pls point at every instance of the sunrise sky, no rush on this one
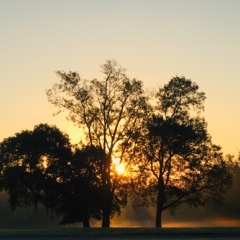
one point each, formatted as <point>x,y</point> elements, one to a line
<point>154,39</point>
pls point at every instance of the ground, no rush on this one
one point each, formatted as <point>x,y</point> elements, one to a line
<point>121,233</point>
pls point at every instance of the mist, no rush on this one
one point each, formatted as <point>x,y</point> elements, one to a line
<point>227,215</point>
<point>209,216</point>
<point>24,217</point>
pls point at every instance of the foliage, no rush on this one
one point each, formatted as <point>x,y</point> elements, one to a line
<point>28,158</point>
<point>80,195</point>
<point>178,158</point>
<point>39,167</point>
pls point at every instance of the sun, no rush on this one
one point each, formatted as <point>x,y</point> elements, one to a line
<point>120,169</point>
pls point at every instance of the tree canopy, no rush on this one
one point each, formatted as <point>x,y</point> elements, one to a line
<point>40,168</point>
<point>29,160</point>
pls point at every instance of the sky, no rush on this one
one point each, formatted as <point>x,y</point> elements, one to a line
<point>154,39</point>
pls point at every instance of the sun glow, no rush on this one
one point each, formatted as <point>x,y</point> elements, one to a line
<point>118,166</point>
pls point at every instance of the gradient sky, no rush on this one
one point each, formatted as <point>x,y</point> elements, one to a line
<point>154,39</point>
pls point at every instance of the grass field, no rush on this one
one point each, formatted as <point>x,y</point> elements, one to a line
<point>122,233</point>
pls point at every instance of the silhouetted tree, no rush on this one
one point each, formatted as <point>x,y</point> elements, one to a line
<point>39,167</point>
<point>110,113</point>
<point>81,195</point>
<point>179,163</point>
<point>26,160</point>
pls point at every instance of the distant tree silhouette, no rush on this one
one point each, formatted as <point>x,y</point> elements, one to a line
<point>110,113</point>
<point>39,167</point>
<point>178,162</point>
<point>232,199</point>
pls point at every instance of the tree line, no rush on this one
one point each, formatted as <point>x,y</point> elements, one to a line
<point>160,139</point>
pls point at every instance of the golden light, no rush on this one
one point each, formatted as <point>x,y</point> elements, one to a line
<point>118,166</point>
<point>120,169</point>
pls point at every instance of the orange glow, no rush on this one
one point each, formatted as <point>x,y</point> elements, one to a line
<point>118,166</point>
<point>211,222</point>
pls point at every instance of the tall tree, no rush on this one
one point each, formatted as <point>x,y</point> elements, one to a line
<point>180,164</point>
<point>109,112</point>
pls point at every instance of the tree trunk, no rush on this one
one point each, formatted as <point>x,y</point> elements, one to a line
<point>160,202</point>
<point>107,194</point>
<point>85,218</point>
<point>158,221</point>
<point>106,217</point>
<point>86,223</point>
<point>107,206</point>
